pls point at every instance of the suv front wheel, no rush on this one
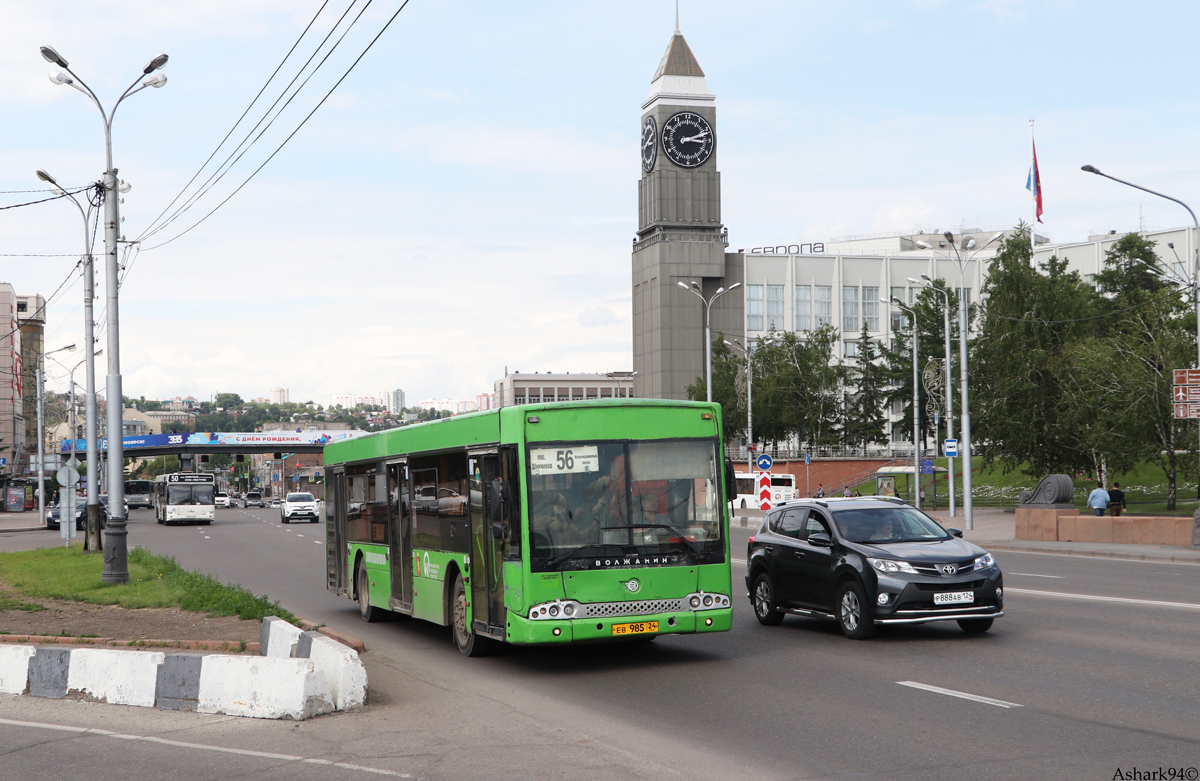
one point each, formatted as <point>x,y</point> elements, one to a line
<point>853,612</point>
<point>765,608</point>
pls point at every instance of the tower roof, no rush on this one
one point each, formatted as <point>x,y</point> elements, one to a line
<point>678,60</point>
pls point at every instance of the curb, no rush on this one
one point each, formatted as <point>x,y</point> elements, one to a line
<point>297,676</point>
<point>342,637</point>
<point>1164,559</point>
<point>28,529</point>
<point>190,645</point>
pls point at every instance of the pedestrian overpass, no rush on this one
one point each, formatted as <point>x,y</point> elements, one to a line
<point>213,443</point>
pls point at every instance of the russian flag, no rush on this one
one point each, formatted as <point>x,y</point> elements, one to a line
<point>1034,184</point>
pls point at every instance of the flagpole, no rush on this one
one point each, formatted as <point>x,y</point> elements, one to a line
<point>1033,182</point>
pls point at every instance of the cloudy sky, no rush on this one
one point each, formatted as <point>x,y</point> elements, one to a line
<point>465,200</point>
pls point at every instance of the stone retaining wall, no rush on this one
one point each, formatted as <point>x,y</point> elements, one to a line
<point>1068,525</point>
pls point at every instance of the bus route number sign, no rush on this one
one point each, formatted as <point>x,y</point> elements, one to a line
<point>564,460</point>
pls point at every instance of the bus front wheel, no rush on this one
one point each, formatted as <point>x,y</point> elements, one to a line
<point>468,642</point>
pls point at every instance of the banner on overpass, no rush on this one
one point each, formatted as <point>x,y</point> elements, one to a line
<point>227,439</point>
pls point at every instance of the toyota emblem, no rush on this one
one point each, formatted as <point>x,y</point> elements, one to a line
<point>949,569</point>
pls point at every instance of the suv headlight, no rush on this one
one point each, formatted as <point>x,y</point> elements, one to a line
<point>888,565</point>
<point>986,561</point>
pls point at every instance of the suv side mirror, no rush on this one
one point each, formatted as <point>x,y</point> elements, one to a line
<point>955,532</point>
<point>820,540</point>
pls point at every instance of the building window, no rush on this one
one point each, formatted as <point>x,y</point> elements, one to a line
<point>899,321</point>
<point>803,308</point>
<point>851,349</point>
<point>958,291</point>
<point>754,307</point>
<point>775,307</point>
<point>849,309</point>
<point>822,305</point>
<point>870,307</point>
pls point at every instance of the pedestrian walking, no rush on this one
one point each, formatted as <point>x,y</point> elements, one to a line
<point>820,491</point>
<point>1098,499</point>
<point>1116,500</point>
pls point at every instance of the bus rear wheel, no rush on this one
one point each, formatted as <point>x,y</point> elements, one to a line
<point>468,642</point>
<point>369,612</point>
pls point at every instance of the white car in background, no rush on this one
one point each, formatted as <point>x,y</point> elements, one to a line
<point>222,500</point>
<point>299,507</point>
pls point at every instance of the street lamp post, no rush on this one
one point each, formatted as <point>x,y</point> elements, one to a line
<point>928,283</point>
<point>1196,265</point>
<point>41,429</point>
<point>958,260</point>
<point>66,527</point>
<point>916,400</point>
<point>92,538</point>
<point>708,302</point>
<point>116,561</point>
<point>749,399</point>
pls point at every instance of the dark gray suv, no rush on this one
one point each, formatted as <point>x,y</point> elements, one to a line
<point>253,499</point>
<point>869,561</point>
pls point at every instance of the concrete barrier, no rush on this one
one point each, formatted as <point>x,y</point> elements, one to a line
<point>48,671</point>
<point>14,668</point>
<point>262,687</point>
<point>178,683</point>
<point>278,638</point>
<point>344,672</point>
<point>116,677</point>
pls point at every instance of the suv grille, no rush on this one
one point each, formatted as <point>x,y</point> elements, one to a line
<point>934,570</point>
<point>643,607</point>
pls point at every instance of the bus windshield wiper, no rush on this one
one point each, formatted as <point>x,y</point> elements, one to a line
<point>564,556</point>
<point>671,529</point>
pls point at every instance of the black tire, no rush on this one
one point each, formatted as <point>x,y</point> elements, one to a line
<point>468,642</point>
<point>853,612</point>
<point>283,519</point>
<point>314,520</point>
<point>763,597</point>
<point>975,626</point>
<point>369,612</point>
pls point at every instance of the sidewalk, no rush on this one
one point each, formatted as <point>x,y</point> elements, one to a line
<point>20,522</point>
<point>996,530</point>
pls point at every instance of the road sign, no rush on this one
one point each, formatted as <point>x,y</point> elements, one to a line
<point>951,446</point>
<point>1187,376</point>
<point>764,462</point>
<point>67,476</point>
<point>764,490</point>
<point>1187,411</point>
<point>807,459</point>
<point>3,460</point>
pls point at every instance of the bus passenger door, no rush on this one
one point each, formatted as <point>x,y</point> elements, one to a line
<point>400,539</point>
<point>335,532</point>
<point>488,530</point>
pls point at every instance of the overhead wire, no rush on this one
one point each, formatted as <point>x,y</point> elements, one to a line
<point>309,116</point>
<point>227,165</point>
<point>266,84</point>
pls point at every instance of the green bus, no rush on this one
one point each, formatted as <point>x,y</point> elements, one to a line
<point>538,524</point>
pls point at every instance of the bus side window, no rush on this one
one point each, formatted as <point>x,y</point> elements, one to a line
<point>512,479</point>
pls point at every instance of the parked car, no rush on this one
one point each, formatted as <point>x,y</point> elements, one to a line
<point>299,507</point>
<point>221,499</point>
<point>866,562</point>
<point>253,499</point>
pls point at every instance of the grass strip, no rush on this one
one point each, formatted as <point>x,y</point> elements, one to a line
<point>154,581</point>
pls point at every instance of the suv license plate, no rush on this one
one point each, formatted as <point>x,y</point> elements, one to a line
<point>954,598</point>
<point>641,628</point>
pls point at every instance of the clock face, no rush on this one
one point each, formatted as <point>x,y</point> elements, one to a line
<point>688,140</point>
<point>649,143</point>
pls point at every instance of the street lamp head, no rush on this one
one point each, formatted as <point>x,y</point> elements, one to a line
<point>993,238</point>
<point>971,244</point>
<point>685,287</point>
<point>949,236</point>
<point>720,290</point>
<point>923,245</point>
<point>45,177</point>
<point>1171,244</point>
<point>695,285</point>
<point>60,78</point>
<point>735,285</point>
<point>52,57</point>
<point>912,281</point>
<point>154,64</point>
<point>1090,169</point>
<point>156,81</point>
<point>926,277</point>
<point>892,300</point>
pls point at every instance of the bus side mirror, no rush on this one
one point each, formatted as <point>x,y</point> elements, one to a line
<point>730,482</point>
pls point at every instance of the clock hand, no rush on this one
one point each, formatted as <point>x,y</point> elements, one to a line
<point>696,137</point>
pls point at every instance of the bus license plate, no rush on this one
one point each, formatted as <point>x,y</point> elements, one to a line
<point>640,628</point>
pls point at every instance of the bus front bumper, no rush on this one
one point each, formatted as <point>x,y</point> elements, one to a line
<point>522,631</point>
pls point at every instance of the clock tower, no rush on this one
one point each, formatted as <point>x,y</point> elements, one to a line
<point>680,237</point>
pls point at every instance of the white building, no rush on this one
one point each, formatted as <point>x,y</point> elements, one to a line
<point>12,413</point>
<point>279,395</point>
<point>397,404</point>
<point>537,388</point>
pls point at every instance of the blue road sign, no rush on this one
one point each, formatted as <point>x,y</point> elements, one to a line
<point>807,459</point>
<point>764,462</point>
<point>951,446</point>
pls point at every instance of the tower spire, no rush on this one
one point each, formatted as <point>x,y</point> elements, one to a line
<point>677,17</point>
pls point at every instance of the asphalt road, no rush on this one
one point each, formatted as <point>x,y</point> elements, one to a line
<point>1081,686</point>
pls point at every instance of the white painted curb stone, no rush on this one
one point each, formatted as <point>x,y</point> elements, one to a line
<point>116,677</point>
<point>343,670</point>
<point>262,687</point>
<point>14,668</point>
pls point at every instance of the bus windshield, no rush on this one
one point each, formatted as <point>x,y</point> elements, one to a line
<point>182,493</point>
<point>597,499</point>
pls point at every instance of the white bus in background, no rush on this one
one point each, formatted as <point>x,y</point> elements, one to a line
<point>783,489</point>
<point>185,497</point>
<point>139,493</point>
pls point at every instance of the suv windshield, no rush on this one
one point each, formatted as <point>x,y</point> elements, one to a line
<point>881,525</point>
<point>300,498</point>
<point>589,500</point>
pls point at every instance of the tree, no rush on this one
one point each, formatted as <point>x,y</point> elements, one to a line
<point>798,388</point>
<point>229,401</point>
<point>866,395</point>
<point>729,388</point>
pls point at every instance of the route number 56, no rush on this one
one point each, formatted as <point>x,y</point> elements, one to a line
<point>566,460</point>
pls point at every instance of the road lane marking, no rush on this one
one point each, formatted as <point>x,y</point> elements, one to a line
<point>962,695</point>
<point>1031,575</point>
<point>200,746</point>
<point>1125,600</point>
<point>738,561</point>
